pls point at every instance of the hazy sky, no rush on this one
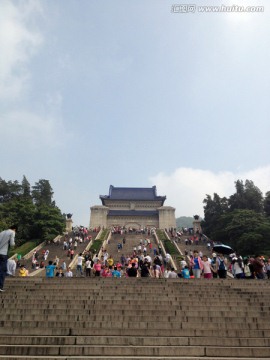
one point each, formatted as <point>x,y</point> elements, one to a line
<point>131,93</point>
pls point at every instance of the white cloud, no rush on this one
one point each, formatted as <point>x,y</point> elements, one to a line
<point>186,188</point>
<point>32,130</point>
<point>18,44</point>
<point>31,124</point>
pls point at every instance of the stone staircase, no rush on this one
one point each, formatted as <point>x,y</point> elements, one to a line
<point>57,250</point>
<point>134,318</point>
<point>202,246</point>
<point>131,241</point>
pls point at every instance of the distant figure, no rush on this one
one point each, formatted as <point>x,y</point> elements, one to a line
<point>185,273</point>
<point>79,269</point>
<point>23,271</point>
<point>11,267</point>
<point>172,274</point>
<point>7,239</point>
<point>69,273</point>
<point>50,270</point>
<point>132,272</point>
<point>221,263</point>
<point>69,216</point>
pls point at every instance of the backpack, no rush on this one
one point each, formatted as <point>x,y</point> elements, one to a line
<point>221,265</point>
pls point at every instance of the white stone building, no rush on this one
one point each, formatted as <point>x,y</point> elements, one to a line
<point>132,207</point>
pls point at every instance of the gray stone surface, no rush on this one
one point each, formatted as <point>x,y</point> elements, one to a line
<point>90,318</point>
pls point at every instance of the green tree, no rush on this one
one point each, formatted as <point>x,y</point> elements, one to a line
<point>49,222</point>
<point>42,193</point>
<point>36,214</point>
<point>21,212</point>
<point>266,204</point>
<point>248,232</point>
<point>9,190</point>
<point>242,221</point>
<point>26,189</point>
<point>247,196</point>
<point>213,209</point>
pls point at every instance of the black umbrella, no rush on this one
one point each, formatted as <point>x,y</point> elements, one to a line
<point>223,249</point>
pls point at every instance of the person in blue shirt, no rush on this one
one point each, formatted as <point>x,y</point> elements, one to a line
<point>50,269</point>
<point>185,273</point>
<point>116,273</point>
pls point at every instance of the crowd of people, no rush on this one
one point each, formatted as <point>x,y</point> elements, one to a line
<point>145,260</point>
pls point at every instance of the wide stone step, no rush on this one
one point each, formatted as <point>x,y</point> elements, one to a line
<point>134,341</point>
<point>134,319</point>
<point>86,350</point>
<point>262,325</point>
<point>126,311</point>
<point>89,357</point>
<point>95,284</point>
<point>135,301</point>
<point>132,311</point>
<point>69,331</point>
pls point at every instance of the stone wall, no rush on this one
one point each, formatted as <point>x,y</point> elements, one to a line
<point>132,205</point>
<point>98,216</point>
<point>137,222</point>
<point>166,217</point>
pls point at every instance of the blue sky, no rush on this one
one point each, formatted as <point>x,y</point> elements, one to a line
<point>129,93</point>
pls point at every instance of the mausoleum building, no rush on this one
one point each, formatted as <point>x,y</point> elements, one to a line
<point>132,207</point>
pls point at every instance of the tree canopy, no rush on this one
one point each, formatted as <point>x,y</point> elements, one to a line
<point>32,208</point>
<point>241,221</point>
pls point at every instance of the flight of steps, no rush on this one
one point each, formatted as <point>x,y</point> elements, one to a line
<point>57,250</point>
<point>131,241</point>
<point>134,318</point>
<point>201,247</point>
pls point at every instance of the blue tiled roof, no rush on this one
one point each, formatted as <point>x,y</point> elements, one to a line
<point>125,193</point>
<point>133,213</point>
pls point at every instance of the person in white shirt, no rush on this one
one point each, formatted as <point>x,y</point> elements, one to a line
<point>166,273</point>
<point>69,273</point>
<point>7,239</point>
<point>172,274</point>
<point>79,265</point>
<point>11,267</point>
<point>168,259</point>
<point>88,267</point>
<point>183,263</point>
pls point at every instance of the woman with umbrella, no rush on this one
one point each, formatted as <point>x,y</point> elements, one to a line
<point>221,261</point>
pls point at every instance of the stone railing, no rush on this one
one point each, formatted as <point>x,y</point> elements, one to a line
<point>160,243</point>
